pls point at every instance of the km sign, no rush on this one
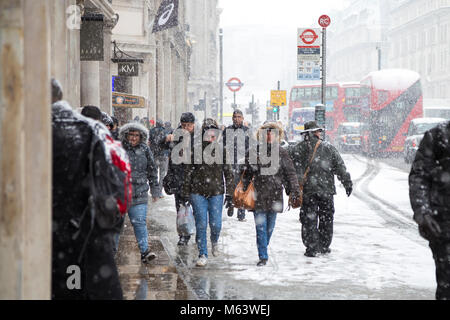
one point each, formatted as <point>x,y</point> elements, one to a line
<point>128,69</point>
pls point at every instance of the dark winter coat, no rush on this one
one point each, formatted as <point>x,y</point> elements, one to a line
<point>269,188</point>
<point>174,179</point>
<point>143,168</point>
<point>429,179</point>
<point>72,134</point>
<point>326,164</point>
<point>233,128</point>
<point>208,179</point>
<point>157,137</point>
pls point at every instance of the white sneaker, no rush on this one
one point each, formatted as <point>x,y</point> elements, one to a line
<point>202,261</point>
<point>215,249</point>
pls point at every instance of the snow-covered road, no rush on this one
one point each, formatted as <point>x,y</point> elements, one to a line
<point>377,252</point>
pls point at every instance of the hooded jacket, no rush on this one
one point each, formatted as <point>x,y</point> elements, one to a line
<point>143,168</point>
<point>72,134</point>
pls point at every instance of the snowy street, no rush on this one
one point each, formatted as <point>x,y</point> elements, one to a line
<point>377,252</point>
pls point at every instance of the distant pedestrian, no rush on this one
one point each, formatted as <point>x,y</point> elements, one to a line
<point>269,185</point>
<point>317,211</point>
<point>173,181</point>
<point>115,128</point>
<point>143,172</point>
<point>107,121</point>
<point>72,134</point>
<point>429,192</point>
<point>204,187</point>
<point>157,142</point>
<point>168,127</point>
<point>238,131</point>
<point>92,112</point>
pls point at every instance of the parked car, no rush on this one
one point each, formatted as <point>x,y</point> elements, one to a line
<point>349,136</point>
<point>416,130</point>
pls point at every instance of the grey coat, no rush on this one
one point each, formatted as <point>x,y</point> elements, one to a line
<point>143,168</point>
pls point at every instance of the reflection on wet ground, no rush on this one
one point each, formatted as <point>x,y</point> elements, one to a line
<point>157,280</point>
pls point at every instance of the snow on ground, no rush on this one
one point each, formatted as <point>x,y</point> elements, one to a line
<point>364,251</point>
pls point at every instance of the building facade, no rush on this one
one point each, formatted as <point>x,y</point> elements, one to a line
<point>420,38</point>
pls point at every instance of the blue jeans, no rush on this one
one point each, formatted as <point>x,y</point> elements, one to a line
<point>138,218</point>
<point>265,223</point>
<point>207,210</point>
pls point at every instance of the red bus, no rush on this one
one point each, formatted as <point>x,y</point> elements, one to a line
<point>351,106</point>
<point>390,99</point>
<point>310,95</point>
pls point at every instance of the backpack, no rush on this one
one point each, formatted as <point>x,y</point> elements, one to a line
<point>109,181</point>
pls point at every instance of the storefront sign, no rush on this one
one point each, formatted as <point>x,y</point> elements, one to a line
<point>128,69</point>
<point>91,38</point>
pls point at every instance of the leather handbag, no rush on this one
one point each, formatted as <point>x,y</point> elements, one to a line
<point>244,199</point>
<point>297,202</point>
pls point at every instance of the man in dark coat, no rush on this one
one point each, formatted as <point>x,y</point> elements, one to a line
<point>317,212</point>
<point>234,131</point>
<point>99,278</point>
<point>156,139</point>
<point>429,192</point>
<point>173,181</point>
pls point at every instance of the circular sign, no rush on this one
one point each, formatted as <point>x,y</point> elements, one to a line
<point>309,36</point>
<point>324,21</point>
<point>234,84</point>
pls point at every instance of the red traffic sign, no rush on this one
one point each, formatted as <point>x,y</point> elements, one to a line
<point>324,21</point>
<point>309,36</point>
<point>234,84</point>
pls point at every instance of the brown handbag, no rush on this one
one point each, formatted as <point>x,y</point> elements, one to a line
<point>298,201</point>
<point>244,199</point>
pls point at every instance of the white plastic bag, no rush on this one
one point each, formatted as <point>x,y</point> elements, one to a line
<point>185,221</point>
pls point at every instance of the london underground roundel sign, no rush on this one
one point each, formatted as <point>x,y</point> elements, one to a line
<point>309,36</point>
<point>234,84</point>
<point>324,21</point>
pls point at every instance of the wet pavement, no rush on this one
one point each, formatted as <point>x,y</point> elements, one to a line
<point>157,280</point>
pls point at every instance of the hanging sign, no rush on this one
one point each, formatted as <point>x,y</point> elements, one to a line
<point>127,100</point>
<point>91,38</point>
<point>167,16</point>
<point>128,69</point>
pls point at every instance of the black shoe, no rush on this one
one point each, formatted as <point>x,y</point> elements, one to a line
<point>230,211</point>
<point>183,241</point>
<point>261,262</point>
<point>241,215</point>
<point>147,256</point>
<point>310,253</point>
<point>325,250</point>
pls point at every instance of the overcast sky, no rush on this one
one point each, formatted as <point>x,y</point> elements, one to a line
<point>291,13</point>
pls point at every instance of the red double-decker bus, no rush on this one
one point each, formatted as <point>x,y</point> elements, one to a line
<point>390,99</point>
<point>351,106</point>
<point>310,95</point>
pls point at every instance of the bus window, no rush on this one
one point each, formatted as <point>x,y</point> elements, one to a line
<point>300,94</point>
<point>382,97</point>
<point>307,94</point>
<point>352,92</point>
<point>294,94</point>
<point>332,93</point>
<point>316,93</point>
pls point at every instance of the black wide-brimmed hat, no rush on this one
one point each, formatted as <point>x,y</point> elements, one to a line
<point>312,126</point>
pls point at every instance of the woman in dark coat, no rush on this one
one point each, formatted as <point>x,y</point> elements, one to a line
<point>204,188</point>
<point>134,138</point>
<point>268,181</point>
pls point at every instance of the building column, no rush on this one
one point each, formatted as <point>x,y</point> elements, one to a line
<point>25,150</point>
<point>160,80</point>
<point>90,81</point>
<point>168,80</point>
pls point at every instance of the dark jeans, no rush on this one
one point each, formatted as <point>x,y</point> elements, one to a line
<point>316,216</point>
<point>178,205</point>
<point>441,256</point>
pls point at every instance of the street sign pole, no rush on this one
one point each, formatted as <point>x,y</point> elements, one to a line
<point>324,65</point>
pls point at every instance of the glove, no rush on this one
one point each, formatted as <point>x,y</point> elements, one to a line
<point>185,201</point>
<point>348,191</point>
<point>431,225</point>
<point>228,201</point>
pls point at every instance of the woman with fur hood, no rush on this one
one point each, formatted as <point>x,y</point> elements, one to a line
<point>134,138</point>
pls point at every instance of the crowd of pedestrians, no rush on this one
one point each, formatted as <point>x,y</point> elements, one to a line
<point>201,165</point>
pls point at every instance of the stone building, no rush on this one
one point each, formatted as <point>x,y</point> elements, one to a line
<point>202,19</point>
<point>420,40</point>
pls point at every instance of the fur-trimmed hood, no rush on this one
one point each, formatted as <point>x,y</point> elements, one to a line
<point>133,126</point>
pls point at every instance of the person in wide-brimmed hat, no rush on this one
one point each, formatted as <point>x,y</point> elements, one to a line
<point>317,211</point>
